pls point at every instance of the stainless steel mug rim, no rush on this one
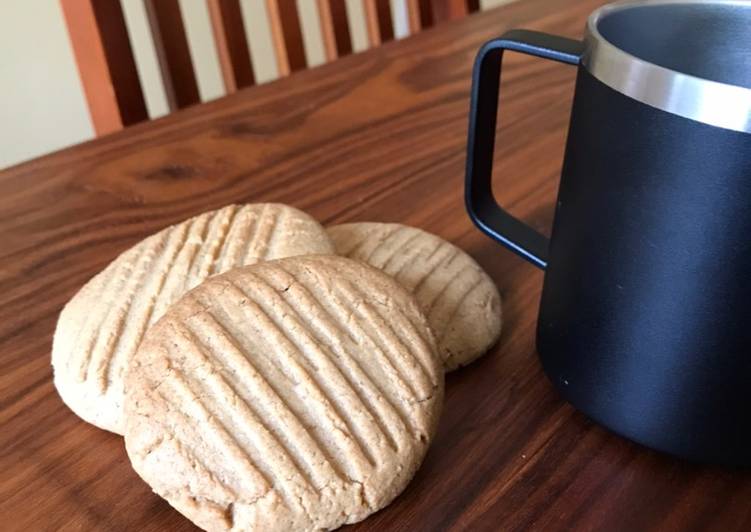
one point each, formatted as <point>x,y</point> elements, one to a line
<point>711,102</point>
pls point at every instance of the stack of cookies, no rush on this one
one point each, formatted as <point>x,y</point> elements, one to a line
<point>268,373</point>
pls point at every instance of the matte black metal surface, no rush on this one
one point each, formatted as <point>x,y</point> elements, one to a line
<point>481,205</point>
<point>645,320</point>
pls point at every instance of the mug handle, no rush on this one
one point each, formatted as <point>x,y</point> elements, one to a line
<point>481,205</point>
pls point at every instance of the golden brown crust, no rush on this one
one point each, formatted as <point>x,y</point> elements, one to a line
<point>294,394</point>
<point>460,300</point>
<point>101,326</point>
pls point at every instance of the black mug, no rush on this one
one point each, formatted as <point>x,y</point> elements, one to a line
<point>645,317</point>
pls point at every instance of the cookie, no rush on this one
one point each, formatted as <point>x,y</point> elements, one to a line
<point>100,328</point>
<point>460,300</point>
<point>298,394</point>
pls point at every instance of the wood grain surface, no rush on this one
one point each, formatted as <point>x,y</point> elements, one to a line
<point>374,136</point>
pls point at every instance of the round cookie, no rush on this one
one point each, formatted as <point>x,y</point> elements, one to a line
<point>460,300</point>
<point>298,394</point>
<point>101,326</point>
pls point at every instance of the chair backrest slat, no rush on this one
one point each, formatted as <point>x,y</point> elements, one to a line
<point>105,61</point>
<point>172,52</point>
<point>444,10</point>
<point>102,48</point>
<point>378,21</point>
<point>231,44</point>
<point>420,13</point>
<point>337,41</point>
<point>432,12</point>
<point>286,34</point>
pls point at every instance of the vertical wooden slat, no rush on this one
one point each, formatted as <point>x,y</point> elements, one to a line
<point>286,34</point>
<point>99,39</point>
<point>172,52</point>
<point>231,43</point>
<point>444,10</point>
<point>420,13</point>
<point>337,40</point>
<point>378,20</point>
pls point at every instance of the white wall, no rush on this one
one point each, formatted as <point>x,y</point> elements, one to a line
<point>42,107</point>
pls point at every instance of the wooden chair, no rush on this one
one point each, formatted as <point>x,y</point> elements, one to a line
<point>107,67</point>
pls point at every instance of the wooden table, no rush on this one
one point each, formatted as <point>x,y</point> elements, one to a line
<point>377,136</point>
